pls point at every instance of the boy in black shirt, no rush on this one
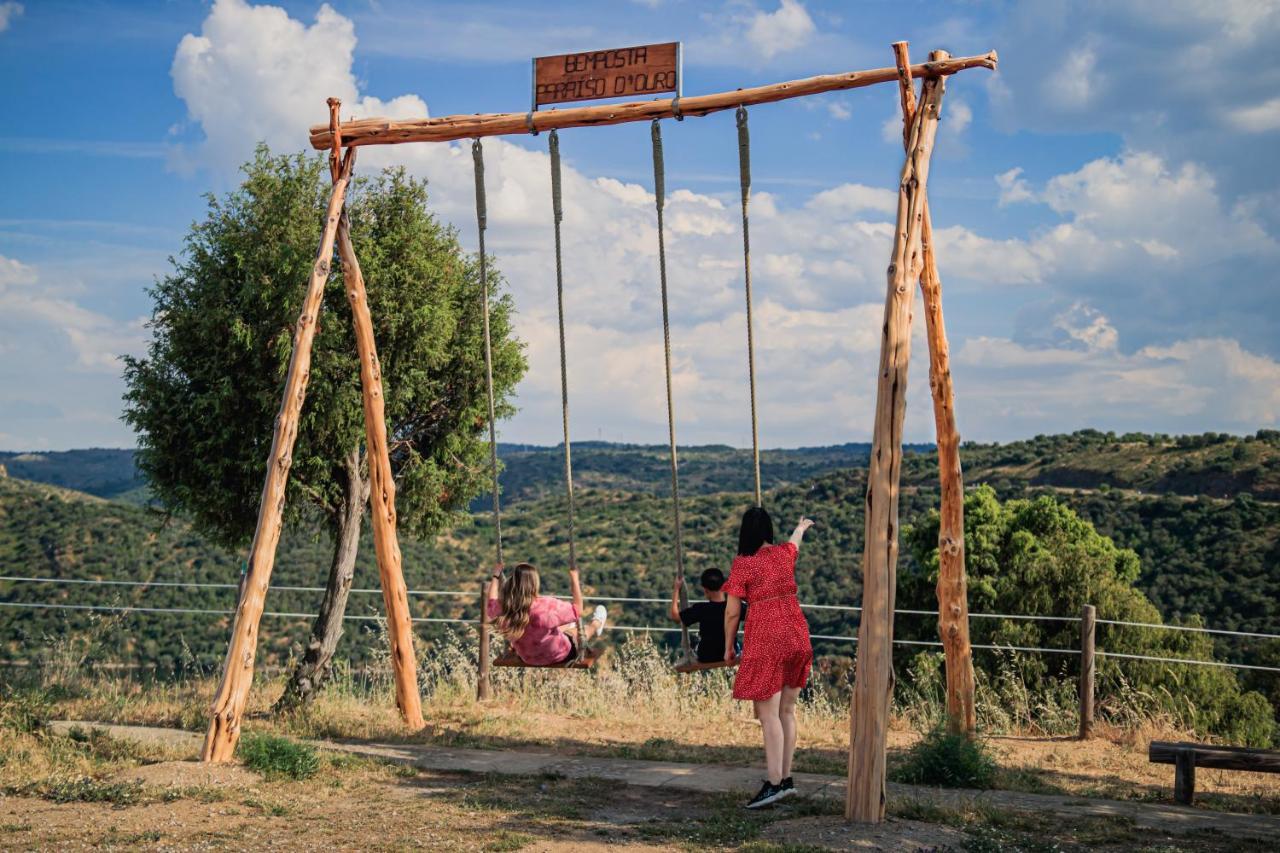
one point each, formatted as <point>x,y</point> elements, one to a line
<point>707,615</point>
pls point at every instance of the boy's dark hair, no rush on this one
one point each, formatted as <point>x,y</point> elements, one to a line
<point>712,580</point>
<point>756,531</point>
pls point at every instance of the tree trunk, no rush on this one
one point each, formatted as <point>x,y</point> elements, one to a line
<point>953,597</point>
<point>313,670</point>
<point>873,677</point>
<point>237,672</point>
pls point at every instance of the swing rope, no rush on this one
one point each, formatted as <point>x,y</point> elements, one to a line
<point>477,156</point>
<point>659,192</point>
<point>744,183</point>
<point>557,210</point>
<point>557,215</point>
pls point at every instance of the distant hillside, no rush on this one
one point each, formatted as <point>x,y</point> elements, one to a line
<point>103,472</point>
<point>1213,464</point>
<point>1200,555</point>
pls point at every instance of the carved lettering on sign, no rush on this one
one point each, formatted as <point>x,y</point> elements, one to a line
<point>643,70</point>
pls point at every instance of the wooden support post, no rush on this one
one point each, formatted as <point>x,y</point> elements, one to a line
<point>953,596</point>
<point>382,487</point>
<point>482,657</point>
<point>1088,619</point>
<point>237,675</point>
<point>1184,776</point>
<point>873,682</point>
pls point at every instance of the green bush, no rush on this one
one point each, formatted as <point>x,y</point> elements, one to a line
<point>948,760</point>
<point>277,757</point>
<point>24,711</point>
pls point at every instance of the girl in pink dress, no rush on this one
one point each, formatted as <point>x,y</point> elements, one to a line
<point>542,630</point>
<point>776,653</point>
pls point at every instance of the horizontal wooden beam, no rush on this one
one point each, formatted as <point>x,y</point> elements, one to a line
<point>385,131</point>
<point>1216,757</point>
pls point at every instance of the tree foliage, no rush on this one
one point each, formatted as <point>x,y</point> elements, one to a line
<point>1038,557</point>
<point>204,398</point>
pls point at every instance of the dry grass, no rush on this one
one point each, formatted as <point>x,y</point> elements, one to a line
<point>635,706</point>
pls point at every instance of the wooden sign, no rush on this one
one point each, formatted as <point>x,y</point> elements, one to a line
<point>643,70</point>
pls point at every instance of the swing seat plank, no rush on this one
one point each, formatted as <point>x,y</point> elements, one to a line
<point>699,666</point>
<point>588,660</point>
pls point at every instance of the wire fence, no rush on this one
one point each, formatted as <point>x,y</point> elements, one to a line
<point>650,629</point>
<point>625,600</point>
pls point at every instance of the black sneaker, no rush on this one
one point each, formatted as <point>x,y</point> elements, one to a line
<point>769,794</point>
<point>788,788</point>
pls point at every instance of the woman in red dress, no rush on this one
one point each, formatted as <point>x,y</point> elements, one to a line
<point>776,653</point>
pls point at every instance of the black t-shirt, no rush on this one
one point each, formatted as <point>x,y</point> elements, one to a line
<point>709,617</point>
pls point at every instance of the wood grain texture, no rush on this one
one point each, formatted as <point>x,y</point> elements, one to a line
<point>237,675</point>
<point>385,131</point>
<point>617,73</point>
<point>873,684</point>
<point>382,488</point>
<point>952,588</point>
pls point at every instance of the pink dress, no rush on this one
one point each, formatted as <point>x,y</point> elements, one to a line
<point>775,647</point>
<point>542,643</point>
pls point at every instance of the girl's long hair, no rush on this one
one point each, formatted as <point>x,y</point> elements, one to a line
<point>756,531</point>
<point>517,595</point>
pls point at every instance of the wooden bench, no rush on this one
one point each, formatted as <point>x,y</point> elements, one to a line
<point>1186,757</point>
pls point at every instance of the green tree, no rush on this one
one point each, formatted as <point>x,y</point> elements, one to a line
<point>204,398</point>
<point>1037,557</point>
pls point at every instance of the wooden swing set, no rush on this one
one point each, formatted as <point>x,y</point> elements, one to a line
<point>913,259</point>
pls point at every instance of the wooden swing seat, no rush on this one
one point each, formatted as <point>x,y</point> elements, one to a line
<point>588,660</point>
<point>698,666</point>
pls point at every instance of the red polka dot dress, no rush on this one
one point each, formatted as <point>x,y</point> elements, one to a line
<point>776,651</point>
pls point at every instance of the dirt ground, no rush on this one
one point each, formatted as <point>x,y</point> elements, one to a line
<point>355,803</point>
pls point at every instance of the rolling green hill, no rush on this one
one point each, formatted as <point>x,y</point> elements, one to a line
<point>1199,511</point>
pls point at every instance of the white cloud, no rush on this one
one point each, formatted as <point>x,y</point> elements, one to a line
<point>1193,384</point>
<point>785,29</point>
<point>855,198</point>
<point>9,11</point>
<point>839,110</point>
<point>818,266</point>
<point>1257,119</point>
<point>60,363</point>
<point>1075,83</point>
<point>1013,188</point>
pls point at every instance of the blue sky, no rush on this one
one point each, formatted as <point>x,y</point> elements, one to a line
<point>1106,203</point>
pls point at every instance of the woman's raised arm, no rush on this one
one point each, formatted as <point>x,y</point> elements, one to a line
<point>798,533</point>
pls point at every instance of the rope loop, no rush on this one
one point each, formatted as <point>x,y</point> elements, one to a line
<point>528,122</point>
<point>557,208</point>
<point>675,108</point>
<point>482,212</point>
<point>659,169</point>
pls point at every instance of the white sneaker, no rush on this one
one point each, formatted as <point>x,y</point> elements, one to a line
<point>599,615</point>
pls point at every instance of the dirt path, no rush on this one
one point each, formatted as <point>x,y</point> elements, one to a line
<point>674,777</point>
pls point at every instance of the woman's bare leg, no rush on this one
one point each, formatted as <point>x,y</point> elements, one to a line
<point>787,717</point>
<point>771,728</point>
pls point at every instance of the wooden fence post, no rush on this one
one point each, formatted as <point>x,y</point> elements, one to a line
<point>873,677</point>
<point>1088,619</point>
<point>482,656</point>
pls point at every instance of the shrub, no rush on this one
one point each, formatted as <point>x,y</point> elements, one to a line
<point>948,760</point>
<point>24,711</point>
<point>277,757</point>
